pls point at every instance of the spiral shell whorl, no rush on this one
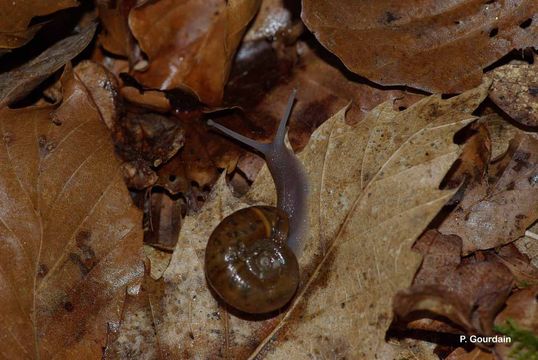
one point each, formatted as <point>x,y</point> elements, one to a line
<point>249,264</point>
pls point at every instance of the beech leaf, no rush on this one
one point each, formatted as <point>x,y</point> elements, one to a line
<point>71,240</point>
<point>433,45</point>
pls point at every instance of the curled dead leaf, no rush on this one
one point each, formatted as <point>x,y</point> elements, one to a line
<point>470,295</point>
<point>19,82</point>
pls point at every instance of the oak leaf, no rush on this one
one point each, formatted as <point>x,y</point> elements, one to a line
<point>433,45</point>
<point>71,240</point>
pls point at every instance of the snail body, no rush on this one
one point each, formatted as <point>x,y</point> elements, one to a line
<point>251,256</point>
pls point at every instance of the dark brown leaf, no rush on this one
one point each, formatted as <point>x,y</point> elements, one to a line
<point>145,142</point>
<point>434,45</point>
<point>470,294</point>
<point>15,17</point>
<point>500,209</point>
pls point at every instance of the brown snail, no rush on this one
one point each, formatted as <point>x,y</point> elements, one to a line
<point>251,256</point>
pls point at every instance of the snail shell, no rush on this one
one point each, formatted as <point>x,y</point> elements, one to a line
<point>249,264</point>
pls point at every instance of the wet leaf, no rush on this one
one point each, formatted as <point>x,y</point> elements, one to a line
<point>190,43</point>
<point>469,294</point>
<point>499,209</point>
<point>15,18</point>
<point>71,238</point>
<point>357,253</point>
<point>515,90</point>
<point>434,45</point>
<point>19,82</point>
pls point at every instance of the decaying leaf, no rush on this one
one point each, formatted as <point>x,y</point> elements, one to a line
<point>472,165</point>
<point>364,216</point>
<point>15,17</point>
<point>520,315</point>
<point>470,294</point>
<point>434,45</point>
<point>499,209</point>
<point>146,141</point>
<point>515,90</point>
<point>19,82</point>
<point>71,238</point>
<point>263,77</point>
<point>190,43</point>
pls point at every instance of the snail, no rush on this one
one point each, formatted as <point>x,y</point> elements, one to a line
<point>251,256</point>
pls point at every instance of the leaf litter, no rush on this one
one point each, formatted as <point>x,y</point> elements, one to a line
<point>389,166</point>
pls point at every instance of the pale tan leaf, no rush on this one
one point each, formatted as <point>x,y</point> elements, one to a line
<point>373,189</point>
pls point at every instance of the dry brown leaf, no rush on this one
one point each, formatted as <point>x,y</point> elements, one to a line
<point>500,209</point>
<point>472,165</point>
<point>475,354</point>
<point>501,132</point>
<point>103,88</point>
<point>519,264</point>
<point>528,244</point>
<point>515,90</point>
<point>15,17</point>
<point>191,43</point>
<point>470,294</point>
<point>17,83</point>
<point>71,238</point>
<point>522,309</point>
<point>374,188</point>
<point>434,45</point>
<point>116,35</point>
